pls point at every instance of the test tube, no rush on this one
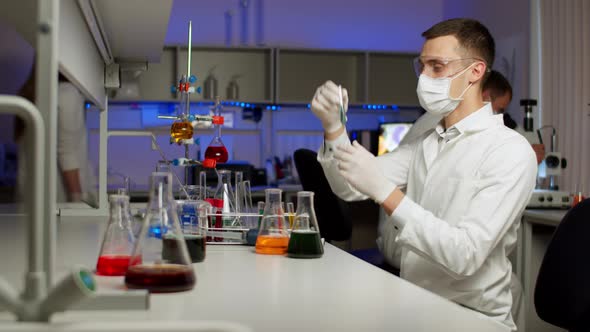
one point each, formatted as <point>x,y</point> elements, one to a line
<point>290,213</point>
<point>203,184</point>
<point>238,190</point>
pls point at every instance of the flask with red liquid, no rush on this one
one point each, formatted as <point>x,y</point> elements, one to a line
<point>160,259</point>
<point>118,240</point>
<point>216,149</point>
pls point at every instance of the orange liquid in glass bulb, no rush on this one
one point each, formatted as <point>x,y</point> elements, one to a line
<point>181,130</point>
<point>218,153</point>
<point>272,245</point>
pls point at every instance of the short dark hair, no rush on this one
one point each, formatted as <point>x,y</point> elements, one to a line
<point>471,34</point>
<point>497,84</point>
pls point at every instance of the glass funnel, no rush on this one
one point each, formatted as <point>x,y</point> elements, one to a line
<point>118,240</point>
<point>305,239</point>
<point>273,236</point>
<point>163,262</point>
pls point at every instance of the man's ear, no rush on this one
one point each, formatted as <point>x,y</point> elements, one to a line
<point>478,71</point>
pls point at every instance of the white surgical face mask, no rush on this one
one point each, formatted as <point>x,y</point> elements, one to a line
<point>433,94</point>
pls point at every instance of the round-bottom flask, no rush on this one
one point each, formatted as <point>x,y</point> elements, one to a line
<point>273,236</point>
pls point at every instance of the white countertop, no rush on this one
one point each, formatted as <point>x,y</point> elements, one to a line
<point>337,292</point>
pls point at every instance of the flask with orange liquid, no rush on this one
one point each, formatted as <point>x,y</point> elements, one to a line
<point>182,128</point>
<point>273,236</point>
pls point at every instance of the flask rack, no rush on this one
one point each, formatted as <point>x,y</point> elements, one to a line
<point>235,235</point>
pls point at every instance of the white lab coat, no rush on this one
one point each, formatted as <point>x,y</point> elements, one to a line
<point>72,146</point>
<point>457,222</point>
<point>425,123</point>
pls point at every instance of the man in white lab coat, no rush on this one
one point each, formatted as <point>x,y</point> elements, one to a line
<point>466,182</point>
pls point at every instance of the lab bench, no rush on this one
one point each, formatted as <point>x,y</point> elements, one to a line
<point>537,229</point>
<point>337,292</point>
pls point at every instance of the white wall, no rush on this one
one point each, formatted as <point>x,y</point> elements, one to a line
<point>508,21</point>
<point>16,59</point>
<point>393,25</point>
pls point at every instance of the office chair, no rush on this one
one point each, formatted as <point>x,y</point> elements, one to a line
<point>333,214</point>
<point>562,293</point>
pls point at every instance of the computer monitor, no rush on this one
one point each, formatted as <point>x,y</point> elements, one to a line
<point>390,135</point>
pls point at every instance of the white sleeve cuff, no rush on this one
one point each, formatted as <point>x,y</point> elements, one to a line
<point>326,152</point>
<point>402,214</point>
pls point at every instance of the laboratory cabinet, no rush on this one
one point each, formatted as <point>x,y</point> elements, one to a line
<point>391,79</point>
<point>299,72</point>
<point>276,75</point>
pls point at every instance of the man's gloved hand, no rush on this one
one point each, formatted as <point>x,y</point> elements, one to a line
<point>360,168</point>
<point>326,105</point>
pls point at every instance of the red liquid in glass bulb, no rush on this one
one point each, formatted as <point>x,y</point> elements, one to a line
<point>219,153</point>
<point>108,265</point>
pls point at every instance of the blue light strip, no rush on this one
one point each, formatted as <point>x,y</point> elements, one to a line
<point>270,106</point>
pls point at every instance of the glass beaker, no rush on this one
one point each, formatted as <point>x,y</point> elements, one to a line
<point>273,236</point>
<point>305,241</point>
<point>163,261</point>
<point>193,221</point>
<point>163,166</point>
<point>115,252</point>
<point>252,234</point>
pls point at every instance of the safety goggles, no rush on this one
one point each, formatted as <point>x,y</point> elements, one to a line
<point>437,67</point>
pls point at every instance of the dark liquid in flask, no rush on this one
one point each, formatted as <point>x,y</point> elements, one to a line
<point>196,245</point>
<point>114,265</point>
<point>305,244</point>
<point>160,278</point>
<point>219,153</point>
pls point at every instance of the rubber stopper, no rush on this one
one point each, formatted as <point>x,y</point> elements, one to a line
<point>209,163</point>
<point>217,120</point>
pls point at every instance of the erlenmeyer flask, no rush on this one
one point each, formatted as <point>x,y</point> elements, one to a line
<point>118,241</point>
<point>305,239</point>
<point>163,261</point>
<point>273,237</point>
<point>216,149</point>
<point>224,199</point>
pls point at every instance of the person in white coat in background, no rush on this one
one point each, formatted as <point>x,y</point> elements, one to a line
<point>76,181</point>
<point>466,182</point>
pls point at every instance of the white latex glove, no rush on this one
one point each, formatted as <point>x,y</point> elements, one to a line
<point>326,105</point>
<point>360,168</point>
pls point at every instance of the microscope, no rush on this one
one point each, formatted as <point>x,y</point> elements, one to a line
<point>550,167</point>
